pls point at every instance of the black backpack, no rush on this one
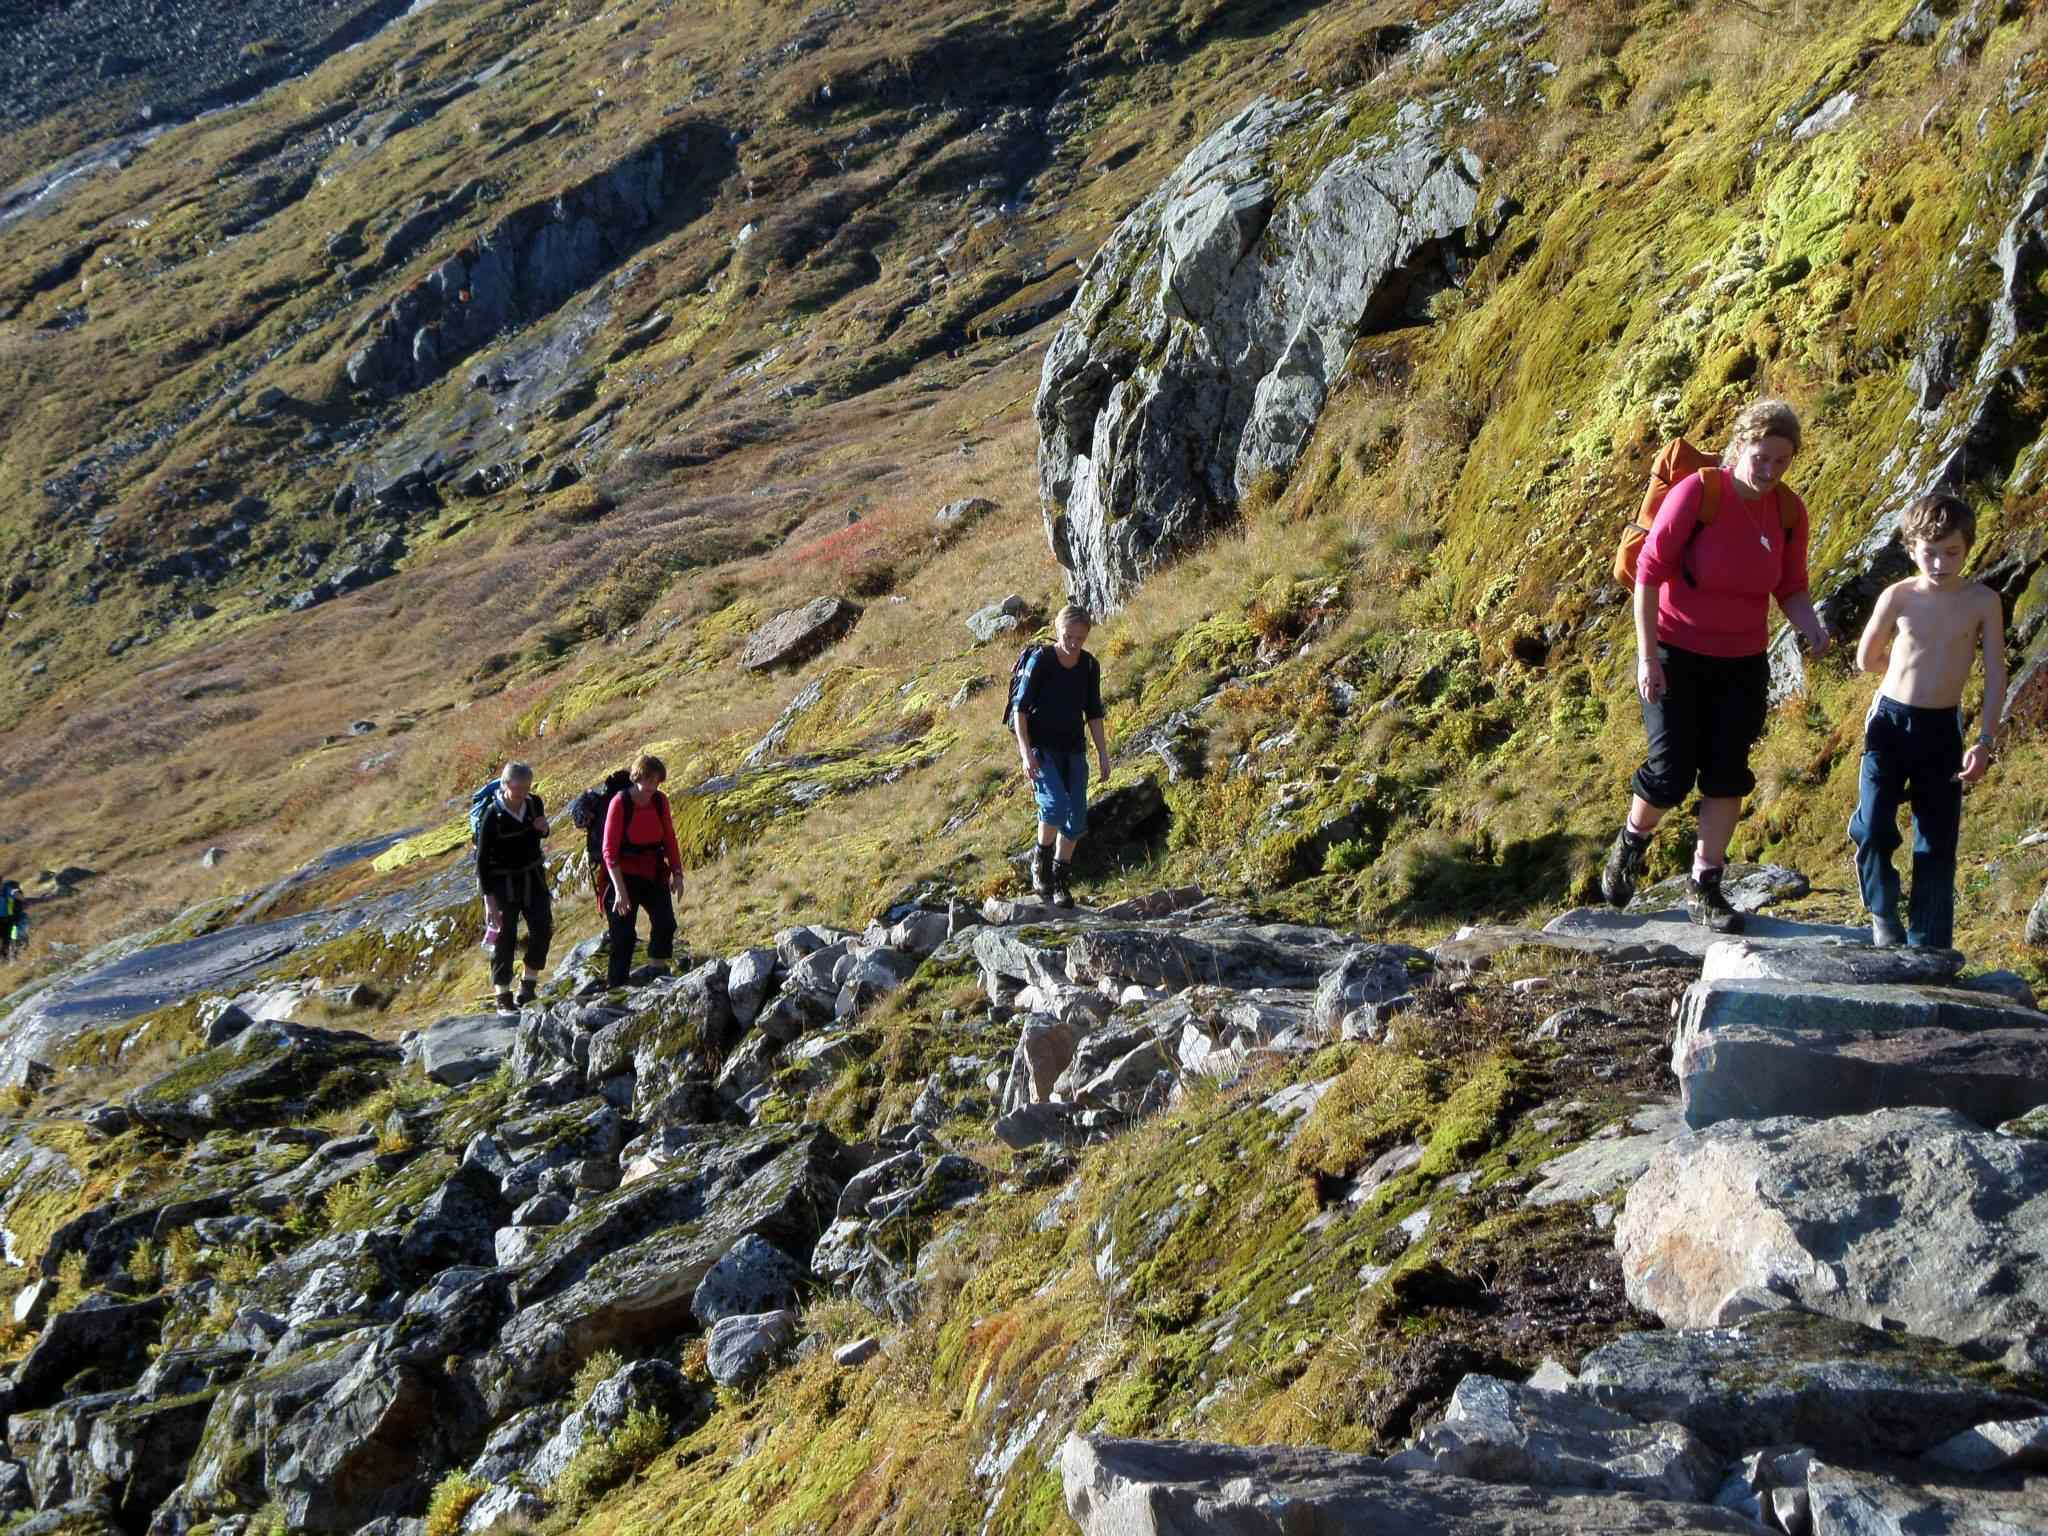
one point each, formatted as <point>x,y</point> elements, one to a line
<point>1017,672</point>
<point>588,810</point>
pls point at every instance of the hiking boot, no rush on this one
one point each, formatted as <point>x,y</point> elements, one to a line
<point>1062,895</point>
<point>1705,904</point>
<point>1885,932</point>
<point>1625,863</point>
<point>1041,871</point>
<point>527,990</point>
<point>505,1003</point>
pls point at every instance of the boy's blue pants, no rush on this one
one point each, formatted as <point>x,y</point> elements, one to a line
<point>1910,756</point>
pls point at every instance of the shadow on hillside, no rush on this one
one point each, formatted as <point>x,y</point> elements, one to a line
<point>1463,880</point>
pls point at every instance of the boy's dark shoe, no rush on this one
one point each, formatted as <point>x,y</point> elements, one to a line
<point>505,1003</point>
<point>527,989</point>
<point>1705,904</point>
<point>1624,866</point>
<point>1041,871</point>
<point>1062,894</point>
<point>1886,932</point>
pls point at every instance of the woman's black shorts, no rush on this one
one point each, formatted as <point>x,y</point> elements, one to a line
<point>1701,730</point>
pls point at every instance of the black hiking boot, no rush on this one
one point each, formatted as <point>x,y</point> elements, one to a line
<point>1062,894</point>
<point>1705,904</point>
<point>1041,871</point>
<point>527,989</point>
<point>505,1003</point>
<point>1625,863</point>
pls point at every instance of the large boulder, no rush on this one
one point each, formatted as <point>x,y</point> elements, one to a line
<point>1850,1502</point>
<point>1502,1432</point>
<point>137,1453</point>
<point>1171,1487</point>
<point>107,1337</point>
<point>374,1444</point>
<point>269,1074</point>
<point>458,1050</point>
<point>1831,964</point>
<point>1750,1049</point>
<point>1367,976</point>
<point>1207,333</point>
<point>1911,1218</point>
<point>1796,1378</point>
<point>798,634</point>
<point>742,1349</point>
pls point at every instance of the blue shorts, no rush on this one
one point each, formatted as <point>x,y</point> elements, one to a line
<point>1061,788</point>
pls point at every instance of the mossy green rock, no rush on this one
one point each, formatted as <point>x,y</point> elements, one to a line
<point>1797,1378</point>
<point>268,1074</point>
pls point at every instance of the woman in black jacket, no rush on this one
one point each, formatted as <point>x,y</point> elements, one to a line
<point>512,871</point>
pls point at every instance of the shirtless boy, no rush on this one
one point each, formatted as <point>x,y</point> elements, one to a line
<point>1924,636</point>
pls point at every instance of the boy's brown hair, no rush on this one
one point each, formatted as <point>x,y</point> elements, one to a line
<point>1937,515</point>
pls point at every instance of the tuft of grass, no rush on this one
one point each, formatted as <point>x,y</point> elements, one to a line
<point>594,1373</point>
<point>450,1501</point>
<point>605,1464</point>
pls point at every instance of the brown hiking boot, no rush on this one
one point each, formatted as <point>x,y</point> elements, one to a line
<point>1625,863</point>
<point>1705,904</point>
<point>1041,872</point>
<point>1062,893</point>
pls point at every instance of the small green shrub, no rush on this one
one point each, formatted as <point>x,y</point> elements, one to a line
<point>603,1465</point>
<point>145,1262</point>
<point>351,1205</point>
<point>450,1501</point>
<point>593,1373</point>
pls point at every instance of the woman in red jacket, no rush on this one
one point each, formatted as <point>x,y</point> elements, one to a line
<point>1702,609</point>
<point>645,865</point>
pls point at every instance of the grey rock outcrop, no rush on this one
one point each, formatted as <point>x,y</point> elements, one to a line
<point>742,1349</point>
<point>647,1385</point>
<point>797,634</point>
<point>1169,1487</point>
<point>1207,334</point>
<point>1849,1502</point>
<point>1501,1432</point>
<point>268,1073</point>
<point>1749,1049</point>
<point>1796,1378</point>
<point>1906,1217</point>
<point>458,1050</point>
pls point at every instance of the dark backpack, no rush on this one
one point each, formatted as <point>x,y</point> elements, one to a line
<point>1017,676</point>
<point>589,809</point>
<point>479,803</point>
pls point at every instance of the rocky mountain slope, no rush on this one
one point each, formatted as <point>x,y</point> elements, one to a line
<point>556,382</point>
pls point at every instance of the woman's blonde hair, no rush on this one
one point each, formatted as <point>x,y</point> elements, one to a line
<point>1766,418</point>
<point>647,768</point>
<point>1074,613</point>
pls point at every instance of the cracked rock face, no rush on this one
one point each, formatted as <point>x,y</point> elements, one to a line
<point>1209,331</point>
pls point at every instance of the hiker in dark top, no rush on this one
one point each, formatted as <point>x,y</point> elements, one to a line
<point>13,920</point>
<point>512,871</point>
<point>1058,707</point>
<point>645,868</point>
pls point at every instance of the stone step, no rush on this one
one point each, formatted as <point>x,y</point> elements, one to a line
<point>1750,1049</point>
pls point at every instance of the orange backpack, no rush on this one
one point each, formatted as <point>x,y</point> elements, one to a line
<point>1674,462</point>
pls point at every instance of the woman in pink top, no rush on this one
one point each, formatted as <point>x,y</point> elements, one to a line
<point>645,865</point>
<point>1702,611</point>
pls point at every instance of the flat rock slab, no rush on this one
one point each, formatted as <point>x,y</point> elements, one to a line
<point>1752,1049</point>
<point>1748,887</point>
<point>459,1050</point>
<point>1176,1487</point>
<point>1795,1378</point>
<point>1911,1218</point>
<point>1852,1503</point>
<point>1604,1165</point>
<point>1673,930</point>
<point>1834,964</point>
<point>1504,1432</point>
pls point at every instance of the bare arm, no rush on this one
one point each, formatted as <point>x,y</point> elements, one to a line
<point>1874,648</point>
<point>1649,666</point>
<point>1025,750</point>
<point>1798,611</point>
<point>1977,761</point>
<point>1095,729</point>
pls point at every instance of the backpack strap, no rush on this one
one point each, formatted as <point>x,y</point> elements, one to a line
<point>1712,484</point>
